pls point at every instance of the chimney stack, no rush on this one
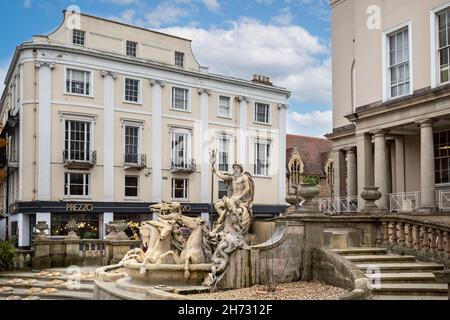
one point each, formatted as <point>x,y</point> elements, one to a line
<point>260,79</point>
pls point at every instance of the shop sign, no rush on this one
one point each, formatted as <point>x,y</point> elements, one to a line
<point>79,207</point>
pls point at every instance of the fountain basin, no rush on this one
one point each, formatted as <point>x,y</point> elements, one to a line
<point>167,274</point>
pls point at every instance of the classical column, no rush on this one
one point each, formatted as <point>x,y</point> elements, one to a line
<point>282,151</point>
<point>351,172</point>
<point>157,86</point>
<point>427,178</point>
<point>339,173</point>
<point>243,120</point>
<point>205,193</point>
<point>381,168</point>
<point>23,223</point>
<point>44,138</point>
<point>388,167</point>
<point>364,165</point>
<point>399,164</point>
<point>108,135</point>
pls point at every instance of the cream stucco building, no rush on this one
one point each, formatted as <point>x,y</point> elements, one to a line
<point>391,101</point>
<point>104,119</point>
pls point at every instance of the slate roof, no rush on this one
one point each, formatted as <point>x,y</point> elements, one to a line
<point>313,151</point>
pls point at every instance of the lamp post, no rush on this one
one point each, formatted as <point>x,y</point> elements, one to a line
<point>212,161</point>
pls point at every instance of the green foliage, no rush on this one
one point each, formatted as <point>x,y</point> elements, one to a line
<point>7,254</point>
<point>311,180</point>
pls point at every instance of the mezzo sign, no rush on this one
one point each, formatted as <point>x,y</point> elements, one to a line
<point>79,207</point>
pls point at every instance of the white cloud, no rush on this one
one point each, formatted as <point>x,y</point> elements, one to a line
<point>212,5</point>
<point>121,2</point>
<point>315,123</point>
<point>284,18</point>
<point>126,16</point>
<point>290,55</point>
<point>164,13</point>
<point>27,4</point>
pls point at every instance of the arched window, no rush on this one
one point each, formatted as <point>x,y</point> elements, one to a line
<point>296,171</point>
<point>330,175</point>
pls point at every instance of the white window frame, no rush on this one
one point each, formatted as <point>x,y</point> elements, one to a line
<point>255,117</point>
<point>66,116</point>
<point>91,126</point>
<point>228,137</point>
<point>186,189</point>
<point>91,81</point>
<point>189,146</point>
<point>125,186</point>
<point>136,124</point>
<point>72,36</point>
<point>434,47</point>
<point>230,110</point>
<point>189,99</point>
<point>139,102</point>
<point>268,143</point>
<point>125,46</point>
<point>386,59</point>
<point>175,59</point>
<point>67,187</point>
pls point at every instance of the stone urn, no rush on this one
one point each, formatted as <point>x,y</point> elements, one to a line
<point>292,199</point>
<point>117,229</point>
<point>71,227</point>
<point>370,195</point>
<point>309,192</point>
<point>42,226</point>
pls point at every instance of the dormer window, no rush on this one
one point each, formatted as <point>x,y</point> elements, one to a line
<point>131,49</point>
<point>79,37</point>
<point>179,59</point>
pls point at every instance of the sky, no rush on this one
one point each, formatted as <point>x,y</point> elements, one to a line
<point>287,40</point>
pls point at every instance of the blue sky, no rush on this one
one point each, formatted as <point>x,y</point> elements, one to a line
<point>288,40</point>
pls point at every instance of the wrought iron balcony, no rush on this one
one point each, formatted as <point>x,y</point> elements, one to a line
<point>183,166</point>
<point>135,161</point>
<point>79,159</point>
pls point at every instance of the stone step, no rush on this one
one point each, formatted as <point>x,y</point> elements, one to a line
<point>380,258</point>
<point>399,267</point>
<point>60,295</point>
<point>407,277</point>
<point>21,275</point>
<point>45,284</point>
<point>360,251</point>
<point>400,297</point>
<point>414,289</point>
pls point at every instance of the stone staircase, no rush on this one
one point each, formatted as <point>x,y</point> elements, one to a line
<point>397,277</point>
<point>18,285</point>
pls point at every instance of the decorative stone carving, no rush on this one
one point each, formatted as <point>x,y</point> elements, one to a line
<point>370,195</point>
<point>241,98</point>
<point>106,73</point>
<point>71,226</point>
<point>202,91</point>
<point>42,226</point>
<point>309,192</point>
<point>40,64</point>
<point>117,229</point>
<point>161,83</point>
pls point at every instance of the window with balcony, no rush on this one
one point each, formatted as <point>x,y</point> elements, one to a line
<point>262,113</point>
<point>180,99</point>
<point>181,150</point>
<point>78,82</point>
<point>225,107</point>
<point>77,141</point>
<point>132,136</point>
<point>179,59</point>
<point>131,186</point>
<point>79,37</point>
<point>262,158</point>
<point>398,72</point>
<point>180,189</point>
<point>224,152</point>
<point>131,49</point>
<point>132,90</point>
<point>76,184</point>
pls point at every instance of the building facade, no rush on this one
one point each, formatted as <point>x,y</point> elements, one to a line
<point>104,119</point>
<point>391,101</point>
<point>309,157</point>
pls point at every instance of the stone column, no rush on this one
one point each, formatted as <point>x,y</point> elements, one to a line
<point>205,193</point>
<point>381,168</point>
<point>108,135</point>
<point>23,222</point>
<point>351,172</point>
<point>339,173</point>
<point>282,154</point>
<point>427,178</point>
<point>157,86</point>
<point>44,138</point>
<point>388,167</point>
<point>243,121</point>
<point>364,165</point>
<point>399,164</point>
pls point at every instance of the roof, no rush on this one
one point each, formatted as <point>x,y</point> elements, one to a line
<point>313,151</point>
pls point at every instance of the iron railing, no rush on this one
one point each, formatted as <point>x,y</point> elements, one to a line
<point>183,166</point>
<point>138,161</point>
<point>404,202</point>
<point>338,205</point>
<point>79,158</point>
